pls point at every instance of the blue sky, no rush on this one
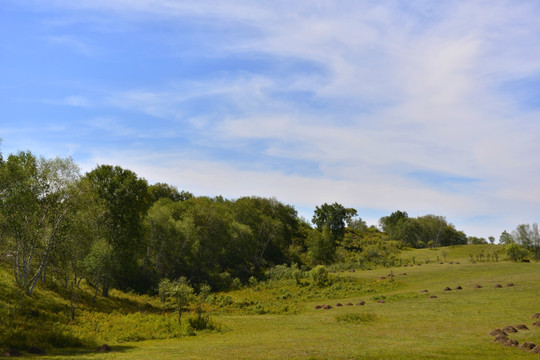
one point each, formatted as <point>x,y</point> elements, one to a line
<point>423,106</point>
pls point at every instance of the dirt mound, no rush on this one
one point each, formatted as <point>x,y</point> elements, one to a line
<point>327,307</point>
<point>521,327</point>
<point>536,349</point>
<point>535,316</point>
<point>477,286</point>
<point>12,352</point>
<point>498,286</point>
<point>510,284</point>
<point>526,346</point>
<point>339,304</point>
<point>510,342</point>
<point>360,303</point>
<point>433,297</point>
<point>318,306</point>
<point>501,338</point>
<point>509,329</point>
<point>459,287</point>
<point>441,263</point>
<point>403,274</point>
<point>536,323</point>
<point>104,348</point>
<point>447,289</point>
<point>498,332</point>
<point>424,291</point>
<point>36,350</point>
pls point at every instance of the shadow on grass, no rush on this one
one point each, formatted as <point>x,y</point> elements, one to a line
<point>83,352</point>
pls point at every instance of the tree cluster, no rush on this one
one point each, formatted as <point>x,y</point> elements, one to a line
<point>112,229</point>
<point>422,231</point>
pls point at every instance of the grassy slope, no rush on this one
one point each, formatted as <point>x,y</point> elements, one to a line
<point>408,325</point>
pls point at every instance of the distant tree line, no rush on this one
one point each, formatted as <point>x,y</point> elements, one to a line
<point>113,229</point>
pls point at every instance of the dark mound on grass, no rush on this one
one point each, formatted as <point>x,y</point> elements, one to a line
<point>498,332</point>
<point>459,287</point>
<point>447,289</point>
<point>382,278</point>
<point>318,306</point>
<point>526,346</point>
<point>457,262</point>
<point>104,348</point>
<point>521,327</point>
<point>349,304</point>
<point>536,349</point>
<point>403,274</point>
<point>441,263</point>
<point>509,329</point>
<point>501,338</point>
<point>535,316</point>
<point>360,303</point>
<point>451,262</point>
<point>477,286</point>
<point>12,352</point>
<point>498,286</point>
<point>327,307</point>
<point>36,350</point>
<point>537,323</point>
<point>424,291</point>
<point>339,304</point>
<point>510,284</point>
<point>433,297</point>
<point>511,342</point>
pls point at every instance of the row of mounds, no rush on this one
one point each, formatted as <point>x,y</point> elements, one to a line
<point>328,307</point>
<point>501,336</point>
<point>34,350</point>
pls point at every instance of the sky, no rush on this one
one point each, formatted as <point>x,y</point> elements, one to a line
<point>429,107</point>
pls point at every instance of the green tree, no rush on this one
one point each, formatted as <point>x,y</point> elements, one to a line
<point>322,246</point>
<point>335,216</point>
<point>516,252</point>
<point>126,200</point>
<point>179,291</point>
<point>505,238</point>
<point>34,205</point>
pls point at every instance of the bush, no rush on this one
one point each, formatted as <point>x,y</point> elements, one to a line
<point>320,276</point>
<point>516,252</point>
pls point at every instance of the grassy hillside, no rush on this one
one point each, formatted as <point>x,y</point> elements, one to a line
<point>278,319</point>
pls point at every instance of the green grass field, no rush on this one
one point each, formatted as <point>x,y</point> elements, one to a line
<point>408,325</point>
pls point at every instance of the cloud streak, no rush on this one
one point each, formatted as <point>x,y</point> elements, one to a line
<point>419,106</point>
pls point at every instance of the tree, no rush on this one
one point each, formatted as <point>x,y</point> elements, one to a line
<point>126,200</point>
<point>335,216</point>
<point>34,205</point>
<point>321,246</point>
<point>491,240</point>
<point>179,291</point>
<point>516,252</point>
<point>505,238</point>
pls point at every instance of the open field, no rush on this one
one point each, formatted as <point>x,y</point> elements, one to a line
<point>408,325</point>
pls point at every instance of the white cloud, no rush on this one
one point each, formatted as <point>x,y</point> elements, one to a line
<point>401,87</point>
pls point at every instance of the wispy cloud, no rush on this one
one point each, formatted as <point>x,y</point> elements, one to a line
<point>423,106</point>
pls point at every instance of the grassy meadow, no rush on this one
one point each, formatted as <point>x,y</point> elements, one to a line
<point>279,320</point>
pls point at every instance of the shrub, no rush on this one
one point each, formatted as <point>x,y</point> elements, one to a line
<point>320,276</point>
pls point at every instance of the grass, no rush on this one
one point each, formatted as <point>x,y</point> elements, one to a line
<point>409,324</point>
